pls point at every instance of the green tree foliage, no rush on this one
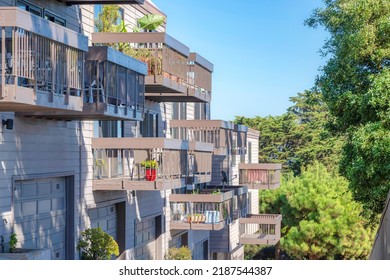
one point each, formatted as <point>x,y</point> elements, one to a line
<point>107,19</point>
<point>95,244</point>
<point>259,252</point>
<point>298,137</point>
<point>320,218</point>
<point>182,253</point>
<point>13,240</point>
<point>355,83</point>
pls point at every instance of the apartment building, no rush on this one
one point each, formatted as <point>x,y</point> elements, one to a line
<point>92,137</point>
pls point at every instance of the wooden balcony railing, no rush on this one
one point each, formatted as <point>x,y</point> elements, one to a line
<point>260,229</point>
<point>166,59</point>
<point>199,77</point>
<point>139,163</point>
<point>41,64</point>
<point>201,210</point>
<point>260,175</point>
<point>217,132</point>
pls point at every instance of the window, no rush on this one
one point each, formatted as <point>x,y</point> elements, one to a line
<point>98,8</point>
<point>30,8</point>
<point>149,126</point>
<point>202,111</point>
<point>54,18</point>
<point>179,110</point>
<point>108,129</point>
<point>249,152</point>
<point>38,11</point>
<point>121,16</point>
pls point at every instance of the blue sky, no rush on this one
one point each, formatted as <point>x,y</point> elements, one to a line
<point>261,50</point>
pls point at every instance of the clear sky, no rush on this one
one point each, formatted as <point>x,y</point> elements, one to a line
<point>261,50</point>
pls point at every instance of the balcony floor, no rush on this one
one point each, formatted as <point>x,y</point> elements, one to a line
<point>117,184</point>
<point>261,186</point>
<point>196,226</point>
<point>259,239</point>
<point>22,99</point>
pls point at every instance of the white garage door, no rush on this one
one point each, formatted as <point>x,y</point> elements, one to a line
<point>106,218</point>
<point>145,238</point>
<point>40,215</point>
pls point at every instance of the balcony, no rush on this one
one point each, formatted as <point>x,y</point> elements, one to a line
<point>240,199</point>
<point>217,132</point>
<point>199,163</point>
<point>201,209</point>
<point>199,77</point>
<point>89,2</point>
<point>139,163</point>
<point>120,92</point>
<point>41,64</point>
<point>260,176</point>
<point>166,58</point>
<point>263,229</point>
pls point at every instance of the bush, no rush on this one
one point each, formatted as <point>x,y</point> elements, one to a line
<point>182,253</point>
<point>12,242</point>
<point>95,244</point>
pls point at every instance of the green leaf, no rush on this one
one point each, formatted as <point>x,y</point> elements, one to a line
<point>151,21</point>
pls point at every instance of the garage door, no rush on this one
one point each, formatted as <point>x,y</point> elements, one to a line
<point>106,218</point>
<point>147,244</point>
<point>40,215</point>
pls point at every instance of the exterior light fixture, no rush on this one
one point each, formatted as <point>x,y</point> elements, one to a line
<point>8,123</point>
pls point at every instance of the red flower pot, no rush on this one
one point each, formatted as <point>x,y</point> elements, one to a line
<point>150,174</point>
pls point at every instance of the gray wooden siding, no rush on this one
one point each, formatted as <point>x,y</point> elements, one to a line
<point>219,240</point>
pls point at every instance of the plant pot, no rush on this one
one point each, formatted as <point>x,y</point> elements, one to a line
<point>150,174</point>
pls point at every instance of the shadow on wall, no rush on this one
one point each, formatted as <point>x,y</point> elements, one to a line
<point>42,149</point>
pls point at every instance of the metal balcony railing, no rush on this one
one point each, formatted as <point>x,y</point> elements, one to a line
<point>139,163</point>
<point>201,210</point>
<point>166,59</point>
<point>41,63</point>
<point>199,77</point>
<point>199,163</point>
<point>115,85</point>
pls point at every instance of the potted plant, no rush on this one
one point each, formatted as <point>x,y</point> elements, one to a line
<point>150,169</point>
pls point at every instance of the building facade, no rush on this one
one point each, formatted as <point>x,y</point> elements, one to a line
<point>94,137</point>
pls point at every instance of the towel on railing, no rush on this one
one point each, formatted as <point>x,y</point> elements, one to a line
<point>212,217</point>
<point>216,217</point>
<point>258,176</point>
<point>208,215</point>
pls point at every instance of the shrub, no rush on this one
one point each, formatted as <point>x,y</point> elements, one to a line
<point>182,253</point>
<point>95,244</point>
